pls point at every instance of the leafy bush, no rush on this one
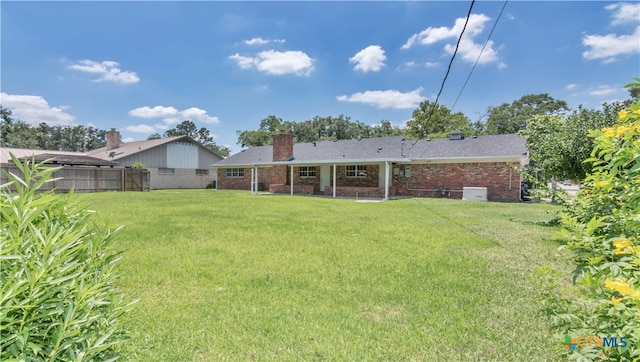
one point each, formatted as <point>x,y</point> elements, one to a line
<point>602,229</point>
<point>139,166</point>
<point>57,275</point>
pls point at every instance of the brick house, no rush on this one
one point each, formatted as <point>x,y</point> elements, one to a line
<point>381,167</point>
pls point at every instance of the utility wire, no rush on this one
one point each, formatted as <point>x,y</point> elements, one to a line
<point>479,55</point>
<point>433,106</point>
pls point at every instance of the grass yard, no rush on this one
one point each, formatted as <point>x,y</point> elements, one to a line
<point>222,275</point>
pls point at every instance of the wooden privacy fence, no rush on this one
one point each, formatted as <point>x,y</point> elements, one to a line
<point>91,179</point>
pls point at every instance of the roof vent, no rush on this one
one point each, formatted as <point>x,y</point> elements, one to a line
<point>456,135</point>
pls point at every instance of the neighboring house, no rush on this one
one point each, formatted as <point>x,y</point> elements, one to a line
<point>173,162</point>
<point>381,167</point>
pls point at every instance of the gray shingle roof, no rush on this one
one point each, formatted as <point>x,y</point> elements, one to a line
<point>131,148</point>
<point>388,149</point>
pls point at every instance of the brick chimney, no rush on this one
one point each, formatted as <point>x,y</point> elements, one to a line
<point>282,146</point>
<point>113,139</point>
<point>282,151</point>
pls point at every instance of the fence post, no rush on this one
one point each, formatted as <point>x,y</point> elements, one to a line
<point>122,180</point>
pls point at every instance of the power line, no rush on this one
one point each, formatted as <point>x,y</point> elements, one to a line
<point>479,55</point>
<point>433,107</point>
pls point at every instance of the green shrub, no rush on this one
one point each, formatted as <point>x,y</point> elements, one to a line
<point>58,298</point>
<point>602,229</point>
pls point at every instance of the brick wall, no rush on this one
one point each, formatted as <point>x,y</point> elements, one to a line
<point>370,178</point>
<point>427,180</point>
<point>265,176</point>
<point>448,180</point>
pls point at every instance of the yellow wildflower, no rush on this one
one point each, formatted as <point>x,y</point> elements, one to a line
<point>620,287</point>
<point>615,301</point>
<point>621,243</point>
<point>608,132</point>
<point>622,130</point>
<point>623,113</point>
<point>601,183</point>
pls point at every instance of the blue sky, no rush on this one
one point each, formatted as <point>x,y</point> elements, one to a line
<point>143,67</point>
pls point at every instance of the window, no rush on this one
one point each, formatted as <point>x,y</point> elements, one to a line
<point>200,171</point>
<point>356,171</point>
<point>166,171</point>
<point>307,171</point>
<point>235,172</point>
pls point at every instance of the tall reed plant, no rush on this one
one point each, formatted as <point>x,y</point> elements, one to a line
<point>58,294</point>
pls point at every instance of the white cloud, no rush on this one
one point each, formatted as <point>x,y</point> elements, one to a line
<point>603,90</point>
<point>609,46</point>
<point>624,13</point>
<point>170,116</point>
<point>243,62</point>
<point>277,63</point>
<point>108,71</point>
<point>386,99</point>
<point>197,114</point>
<point>431,64</point>
<point>369,59</point>
<point>155,112</point>
<point>432,35</point>
<point>571,86</point>
<point>260,41</point>
<point>35,110</point>
<point>140,128</point>
<point>467,49</point>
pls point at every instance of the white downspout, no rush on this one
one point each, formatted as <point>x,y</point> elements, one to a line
<point>334,180</point>
<point>252,183</point>
<point>386,180</point>
<point>256,187</point>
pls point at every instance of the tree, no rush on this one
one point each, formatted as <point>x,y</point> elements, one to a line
<point>202,136</point>
<point>19,134</point>
<point>511,118</point>
<point>435,120</point>
<point>315,129</point>
<point>154,136</point>
<point>559,145</point>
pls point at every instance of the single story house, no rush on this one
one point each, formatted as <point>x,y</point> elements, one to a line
<point>174,162</point>
<point>457,167</point>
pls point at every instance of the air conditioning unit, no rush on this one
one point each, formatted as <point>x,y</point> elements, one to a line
<point>474,193</point>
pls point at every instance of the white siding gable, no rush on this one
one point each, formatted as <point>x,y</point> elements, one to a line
<point>182,155</point>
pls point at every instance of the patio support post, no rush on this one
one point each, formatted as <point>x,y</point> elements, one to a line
<point>252,183</point>
<point>386,180</point>
<point>256,186</point>
<point>334,180</point>
<point>291,180</point>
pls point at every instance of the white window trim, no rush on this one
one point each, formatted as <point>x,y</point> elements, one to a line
<point>358,171</point>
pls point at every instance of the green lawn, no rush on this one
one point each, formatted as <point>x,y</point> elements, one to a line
<point>223,275</point>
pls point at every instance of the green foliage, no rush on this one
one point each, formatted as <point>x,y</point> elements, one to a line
<point>602,229</point>
<point>315,129</point>
<point>57,275</point>
<point>511,118</point>
<point>559,145</point>
<point>436,121</point>
<point>138,166</point>
<point>19,134</point>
